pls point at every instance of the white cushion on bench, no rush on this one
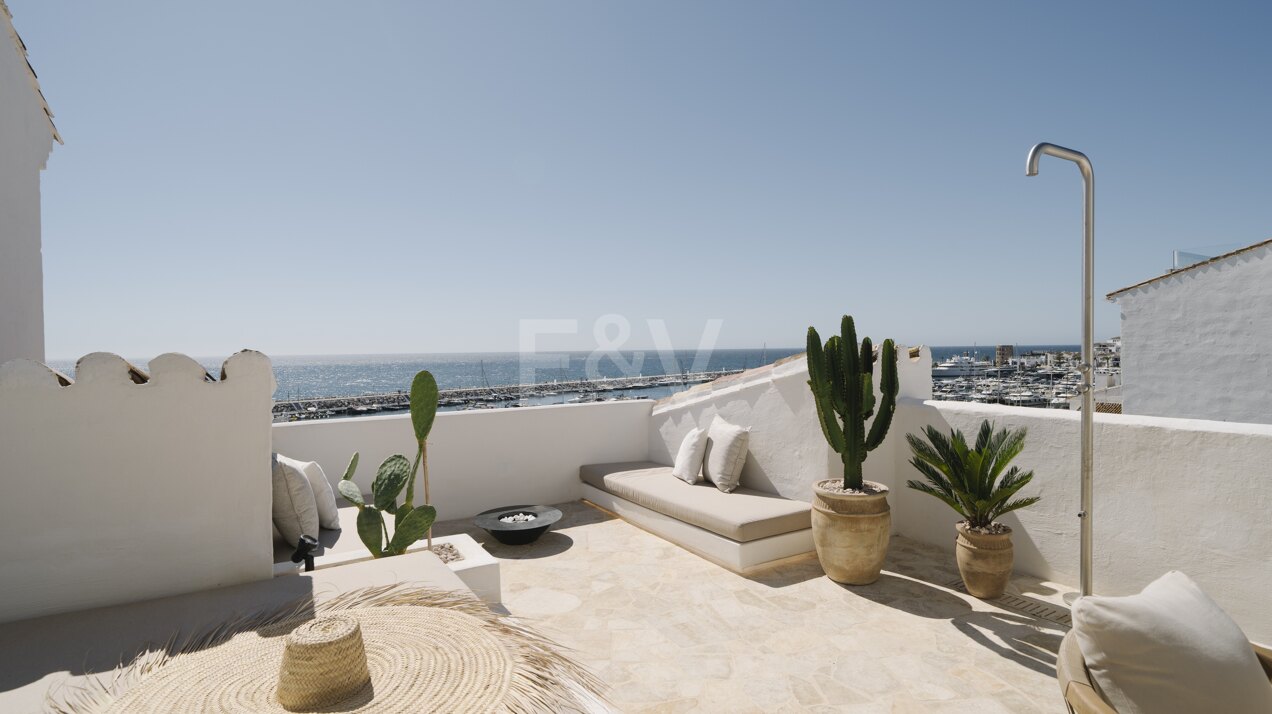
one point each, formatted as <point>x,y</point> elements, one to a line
<point>743,515</point>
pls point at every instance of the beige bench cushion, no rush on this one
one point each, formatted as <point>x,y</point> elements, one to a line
<point>743,515</point>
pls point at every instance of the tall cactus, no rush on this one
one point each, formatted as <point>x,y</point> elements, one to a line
<point>841,376</point>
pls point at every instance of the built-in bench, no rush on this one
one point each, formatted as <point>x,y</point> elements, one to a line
<point>741,531</point>
<point>478,570</point>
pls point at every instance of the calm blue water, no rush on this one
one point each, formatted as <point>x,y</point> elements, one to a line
<point>351,375</point>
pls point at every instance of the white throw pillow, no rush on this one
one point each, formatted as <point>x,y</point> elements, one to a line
<point>688,466</point>
<point>1169,649</point>
<point>295,510</point>
<point>324,497</point>
<point>726,452</point>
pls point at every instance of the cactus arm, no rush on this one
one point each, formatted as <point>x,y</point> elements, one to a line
<point>889,386</point>
<point>834,368</point>
<point>412,528</point>
<point>854,427</point>
<point>423,411</point>
<point>409,501</point>
<point>867,396</point>
<point>820,383</point>
<point>371,530</point>
<point>353,466</point>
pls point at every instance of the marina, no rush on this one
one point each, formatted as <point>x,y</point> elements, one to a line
<point>498,396</point>
<point>1044,380</point>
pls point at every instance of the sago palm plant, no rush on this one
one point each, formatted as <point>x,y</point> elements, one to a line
<point>972,480</point>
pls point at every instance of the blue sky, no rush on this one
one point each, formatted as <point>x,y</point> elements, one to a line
<point>320,177</point>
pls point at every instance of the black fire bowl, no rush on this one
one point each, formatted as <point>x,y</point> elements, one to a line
<point>517,533</point>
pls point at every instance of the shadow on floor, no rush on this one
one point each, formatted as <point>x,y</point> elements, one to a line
<point>549,544</point>
<point>789,573</point>
<point>554,542</point>
<point>1027,641</point>
<point>1015,637</point>
<point>913,597</point>
<point>100,639</point>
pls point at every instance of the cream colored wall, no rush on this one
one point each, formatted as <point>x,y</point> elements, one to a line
<point>25,142</point>
<point>115,492</point>
<point>483,458</point>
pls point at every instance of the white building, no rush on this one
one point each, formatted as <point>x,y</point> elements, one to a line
<point>1197,342</point>
<point>26,140</point>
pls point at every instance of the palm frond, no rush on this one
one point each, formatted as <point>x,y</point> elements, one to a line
<point>976,482</point>
<point>952,502</point>
<point>1016,505</point>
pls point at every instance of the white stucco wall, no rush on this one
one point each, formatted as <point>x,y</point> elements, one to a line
<point>1199,344</point>
<point>787,452</point>
<point>484,458</point>
<point>26,140</point>
<point>116,492</point>
<point>1170,494</point>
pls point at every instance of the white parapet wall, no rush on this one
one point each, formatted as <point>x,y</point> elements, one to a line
<point>1169,494</point>
<point>119,488</point>
<point>787,452</point>
<point>483,458</point>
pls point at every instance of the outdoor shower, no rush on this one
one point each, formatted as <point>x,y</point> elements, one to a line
<point>1087,367</point>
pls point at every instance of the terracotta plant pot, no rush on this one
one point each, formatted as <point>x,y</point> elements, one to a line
<point>851,532</point>
<point>984,561</point>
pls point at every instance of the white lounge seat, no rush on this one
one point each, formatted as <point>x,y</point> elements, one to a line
<point>742,530</point>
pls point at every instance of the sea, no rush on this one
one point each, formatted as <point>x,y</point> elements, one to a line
<point>314,376</point>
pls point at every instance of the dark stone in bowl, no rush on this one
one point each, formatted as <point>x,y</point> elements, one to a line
<point>517,533</point>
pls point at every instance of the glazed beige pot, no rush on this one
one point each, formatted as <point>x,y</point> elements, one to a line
<point>851,532</point>
<point>984,561</point>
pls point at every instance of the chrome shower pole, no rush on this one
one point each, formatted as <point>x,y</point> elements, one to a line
<point>1087,368</point>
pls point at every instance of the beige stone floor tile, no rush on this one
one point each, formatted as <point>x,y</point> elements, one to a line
<point>671,632</point>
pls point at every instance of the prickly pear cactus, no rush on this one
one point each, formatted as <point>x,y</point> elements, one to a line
<point>410,523</point>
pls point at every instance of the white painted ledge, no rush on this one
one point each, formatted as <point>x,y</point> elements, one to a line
<point>478,569</point>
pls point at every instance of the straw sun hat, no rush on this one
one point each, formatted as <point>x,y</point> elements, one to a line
<point>378,650</point>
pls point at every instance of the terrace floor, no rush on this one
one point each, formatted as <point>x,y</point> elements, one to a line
<point>671,632</point>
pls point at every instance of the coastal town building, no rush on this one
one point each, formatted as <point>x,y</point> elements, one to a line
<point>1196,341</point>
<point>26,140</point>
<point>1003,355</point>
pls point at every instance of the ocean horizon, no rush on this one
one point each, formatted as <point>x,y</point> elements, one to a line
<point>314,376</point>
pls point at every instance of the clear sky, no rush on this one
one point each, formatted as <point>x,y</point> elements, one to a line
<point>359,177</point>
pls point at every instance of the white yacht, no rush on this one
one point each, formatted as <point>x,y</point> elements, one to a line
<point>961,366</point>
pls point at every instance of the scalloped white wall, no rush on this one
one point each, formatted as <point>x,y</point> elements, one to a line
<point>116,492</point>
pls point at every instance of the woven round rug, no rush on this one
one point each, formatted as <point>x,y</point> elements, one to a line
<point>425,651</point>
<point>420,659</point>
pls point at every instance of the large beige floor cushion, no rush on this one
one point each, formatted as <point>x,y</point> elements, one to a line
<point>743,515</point>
